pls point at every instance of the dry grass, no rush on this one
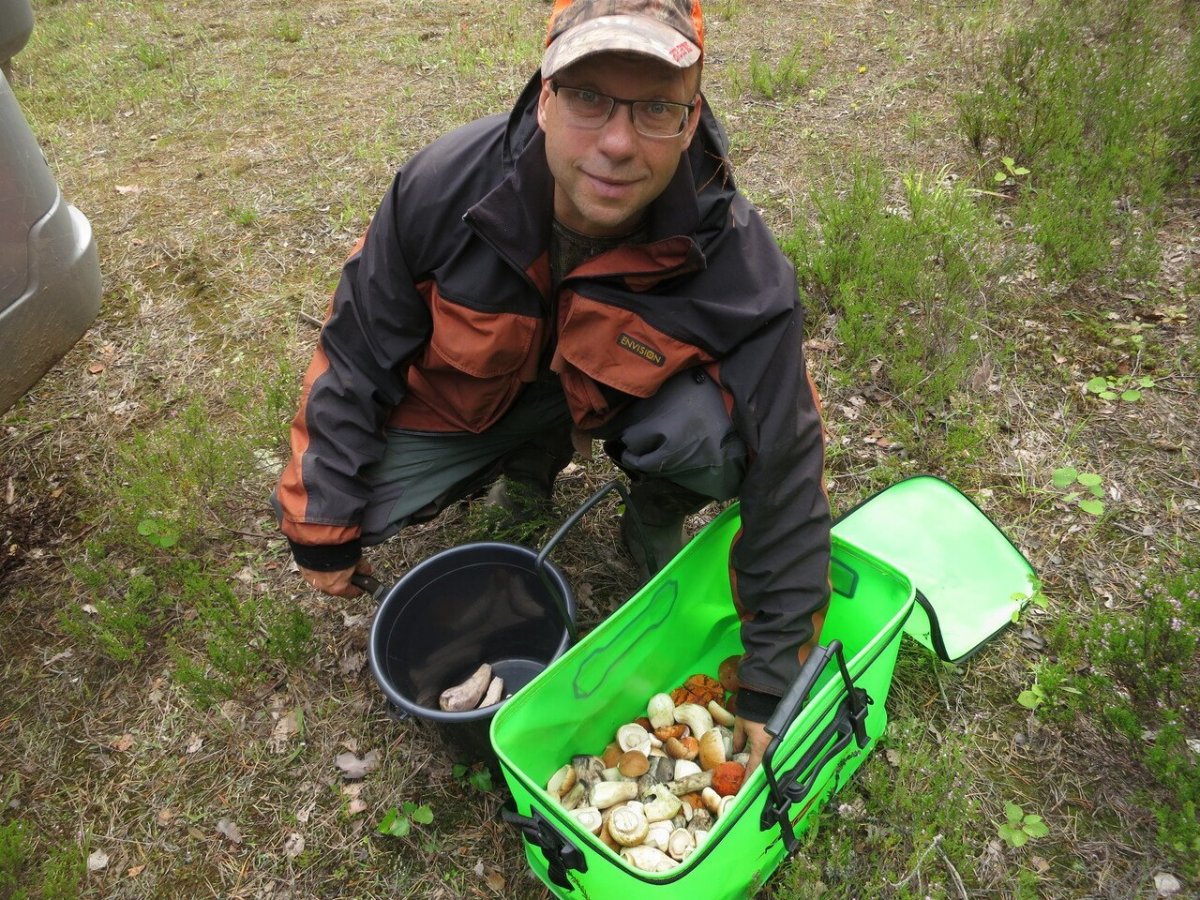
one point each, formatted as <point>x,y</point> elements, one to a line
<point>227,156</point>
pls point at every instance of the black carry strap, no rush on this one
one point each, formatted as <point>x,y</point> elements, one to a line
<point>561,855</point>
<point>849,722</point>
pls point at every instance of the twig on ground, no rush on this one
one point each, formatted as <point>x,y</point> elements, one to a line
<point>935,843</point>
<point>311,320</point>
<point>958,882</point>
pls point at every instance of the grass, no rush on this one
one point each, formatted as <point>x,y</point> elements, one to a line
<point>165,671</point>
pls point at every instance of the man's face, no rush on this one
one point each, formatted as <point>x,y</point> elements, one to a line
<point>605,178</point>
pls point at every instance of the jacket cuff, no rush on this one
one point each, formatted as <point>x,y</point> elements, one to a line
<point>755,705</point>
<point>327,557</point>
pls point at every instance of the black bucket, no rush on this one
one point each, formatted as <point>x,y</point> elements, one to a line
<point>494,603</point>
<point>474,604</point>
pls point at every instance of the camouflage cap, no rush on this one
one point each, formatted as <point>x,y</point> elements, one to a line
<point>670,30</point>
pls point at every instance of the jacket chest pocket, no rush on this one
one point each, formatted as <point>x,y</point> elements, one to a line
<point>475,363</point>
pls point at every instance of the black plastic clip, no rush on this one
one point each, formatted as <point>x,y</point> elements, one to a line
<point>848,723</point>
<point>561,855</point>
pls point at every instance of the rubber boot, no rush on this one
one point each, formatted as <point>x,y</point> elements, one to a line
<point>662,508</point>
<point>527,476</point>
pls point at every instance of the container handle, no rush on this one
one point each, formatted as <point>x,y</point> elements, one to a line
<point>849,723</point>
<point>561,855</point>
<point>540,563</point>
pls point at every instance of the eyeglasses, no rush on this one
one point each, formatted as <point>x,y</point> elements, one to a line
<point>586,108</point>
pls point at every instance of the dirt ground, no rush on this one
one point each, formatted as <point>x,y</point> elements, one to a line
<point>227,156</point>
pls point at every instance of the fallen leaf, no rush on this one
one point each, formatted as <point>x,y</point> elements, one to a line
<point>352,662</point>
<point>97,860</point>
<point>229,830</point>
<point>194,744</point>
<point>1166,884</point>
<point>285,729</point>
<point>122,744</point>
<point>355,806</point>
<point>294,845</point>
<point>356,621</point>
<point>135,871</point>
<point>491,877</point>
<point>892,756</point>
<point>96,368</point>
<point>129,189</point>
<point>354,767</point>
<point>165,815</point>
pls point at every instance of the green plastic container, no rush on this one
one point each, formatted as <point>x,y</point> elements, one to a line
<point>683,622</point>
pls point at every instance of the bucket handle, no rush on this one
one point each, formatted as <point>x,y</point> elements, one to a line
<point>848,724</point>
<point>540,563</point>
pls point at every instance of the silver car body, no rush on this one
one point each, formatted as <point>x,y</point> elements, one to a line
<point>49,269</point>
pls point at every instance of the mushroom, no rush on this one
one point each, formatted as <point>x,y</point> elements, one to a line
<point>573,797</point>
<point>701,820</point>
<point>467,694</point>
<point>660,803</point>
<point>633,763</point>
<point>680,843</point>
<point>589,818</point>
<point>589,770</point>
<point>695,717</point>
<point>682,747</point>
<point>561,782</point>
<point>697,782</point>
<point>614,774</point>
<point>662,770</point>
<point>657,834</point>
<point>634,737</point>
<point>712,750</point>
<point>720,714</point>
<point>627,825</point>
<point>684,768</point>
<point>712,801</point>
<point>648,859</point>
<point>610,793</point>
<point>661,710</point>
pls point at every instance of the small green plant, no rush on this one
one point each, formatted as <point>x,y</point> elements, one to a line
<point>159,533</point>
<point>288,29</point>
<point>1011,171</point>
<point>150,55</point>
<point>1020,827</point>
<point>398,821</point>
<point>243,215</point>
<point>788,77</point>
<point>1123,387</point>
<point>1070,478</point>
<point>1032,697</point>
<point>480,779</point>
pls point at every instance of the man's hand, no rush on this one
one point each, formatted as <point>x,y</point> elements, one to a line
<point>751,736</point>
<point>337,584</point>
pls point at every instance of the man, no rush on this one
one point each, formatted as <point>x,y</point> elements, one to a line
<point>582,268</point>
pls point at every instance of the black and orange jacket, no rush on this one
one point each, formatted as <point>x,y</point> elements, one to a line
<point>441,317</point>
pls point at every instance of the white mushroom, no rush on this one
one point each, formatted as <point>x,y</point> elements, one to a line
<point>684,768</point>
<point>495,692</point>
<point>712,801</point>
<point>680,844</point>
<point>589,818</point>
<point>657,835</point>
<point>648,859</point>
<point>561,782</point>
<point>695,717</point>
<point>660,803</point>
<point>627,825</point>
<point>661,710</point>
<point>634,737</point>
<point>720,714</point>
<point>610,793</point>
<point>467,694</point>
